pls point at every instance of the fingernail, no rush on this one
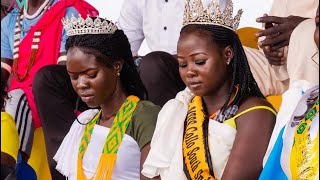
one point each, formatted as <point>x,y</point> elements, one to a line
<point>258,19</point>
<point>280,54</point>
<point>257,34</point>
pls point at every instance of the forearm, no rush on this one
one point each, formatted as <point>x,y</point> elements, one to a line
<point>6,66</point>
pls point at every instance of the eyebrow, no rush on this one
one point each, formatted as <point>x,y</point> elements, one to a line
<point>192,55</point>
<point>89,69</point>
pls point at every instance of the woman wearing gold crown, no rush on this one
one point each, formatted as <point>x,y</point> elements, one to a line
<point>111,142</point>
<point>220,125</point>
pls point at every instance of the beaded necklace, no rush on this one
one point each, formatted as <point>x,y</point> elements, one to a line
<point>34,46</point>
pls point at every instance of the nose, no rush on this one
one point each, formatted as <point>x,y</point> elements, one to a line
<point>82,83</point>
<point>191,72</point>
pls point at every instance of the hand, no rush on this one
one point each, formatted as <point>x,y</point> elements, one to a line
<point>279,35</point>
<point>275,57</point>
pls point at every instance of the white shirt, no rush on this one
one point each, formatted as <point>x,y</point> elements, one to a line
<point>157,21</point>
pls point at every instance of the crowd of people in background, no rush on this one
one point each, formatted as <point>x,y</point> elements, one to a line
<point>195,107</point>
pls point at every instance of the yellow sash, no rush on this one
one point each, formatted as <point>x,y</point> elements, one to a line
<point>197,159</point>
<point>304,157</point>
<point>112,143</point>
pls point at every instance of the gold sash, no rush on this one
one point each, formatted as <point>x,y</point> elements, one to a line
<point>197,158</point>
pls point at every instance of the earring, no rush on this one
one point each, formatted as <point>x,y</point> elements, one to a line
<point>228,62</point>
<point>118,74</point>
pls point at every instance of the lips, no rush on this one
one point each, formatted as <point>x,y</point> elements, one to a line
<point>194,85</point>
<point>87,97</point>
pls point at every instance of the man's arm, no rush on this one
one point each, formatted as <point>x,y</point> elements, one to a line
<point>6,65</point>
<point>131,22</point>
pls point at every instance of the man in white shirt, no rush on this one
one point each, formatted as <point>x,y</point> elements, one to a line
<point>159,23</point>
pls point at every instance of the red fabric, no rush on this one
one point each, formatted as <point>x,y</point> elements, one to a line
<point>48,53</point>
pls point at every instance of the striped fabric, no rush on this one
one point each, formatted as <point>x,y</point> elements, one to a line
<point>17,106</point>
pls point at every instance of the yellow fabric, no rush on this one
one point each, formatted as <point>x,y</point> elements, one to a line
<point>231,121</point>
<point>38,159</point>
<point>247,37</point>
<point>275,101</point>
<point>112,143</point>
<point>193,146</point>
<point>304,157</point>
<point>9,136</point>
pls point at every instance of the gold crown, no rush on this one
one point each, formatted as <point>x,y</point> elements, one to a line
<point>195,13</point>
<point>77,26</point>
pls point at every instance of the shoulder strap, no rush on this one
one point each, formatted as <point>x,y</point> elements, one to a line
<point>231,121</point>
<point>254,108</point>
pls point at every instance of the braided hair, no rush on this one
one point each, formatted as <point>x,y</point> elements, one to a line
<point>108,49</point>
<point>240,69</point>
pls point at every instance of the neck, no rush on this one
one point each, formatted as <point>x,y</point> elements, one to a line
<point>217,98</point>
<point>34,5</point>
<point>112,106</point>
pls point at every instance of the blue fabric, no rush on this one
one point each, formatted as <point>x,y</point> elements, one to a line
<point>8,26</point>
<point>24,170</point>
<point>272,169</point>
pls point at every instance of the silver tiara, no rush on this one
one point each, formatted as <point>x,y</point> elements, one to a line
<point>195,13</point>
<point>76,26</point>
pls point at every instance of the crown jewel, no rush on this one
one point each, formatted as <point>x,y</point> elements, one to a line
<point>77,26</point>
<point>195,13</point>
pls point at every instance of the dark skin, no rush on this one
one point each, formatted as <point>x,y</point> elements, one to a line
<point>8,160</point>
<point>277,36</point>
<point>203,68</point>
<point>33,6</point>
<point>316,32</point>
<point>99,85</point>
<point>5,4</point>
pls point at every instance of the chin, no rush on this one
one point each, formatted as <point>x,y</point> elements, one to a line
<point>198,93</point>
<point>93,105</point>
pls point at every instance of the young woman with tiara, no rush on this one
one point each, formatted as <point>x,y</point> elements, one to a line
<point>220,126</point>
<point>110,143</point>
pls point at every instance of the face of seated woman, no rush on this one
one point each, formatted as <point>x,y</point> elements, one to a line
<point>94,81</point>
<point>202,63</point>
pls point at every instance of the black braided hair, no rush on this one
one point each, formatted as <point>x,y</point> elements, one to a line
<point>4,94</point>
<point>108,49</point>
<point>241,74</point>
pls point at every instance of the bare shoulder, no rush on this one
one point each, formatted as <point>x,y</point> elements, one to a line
<point>255,101</point>
<point>259,116</point>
